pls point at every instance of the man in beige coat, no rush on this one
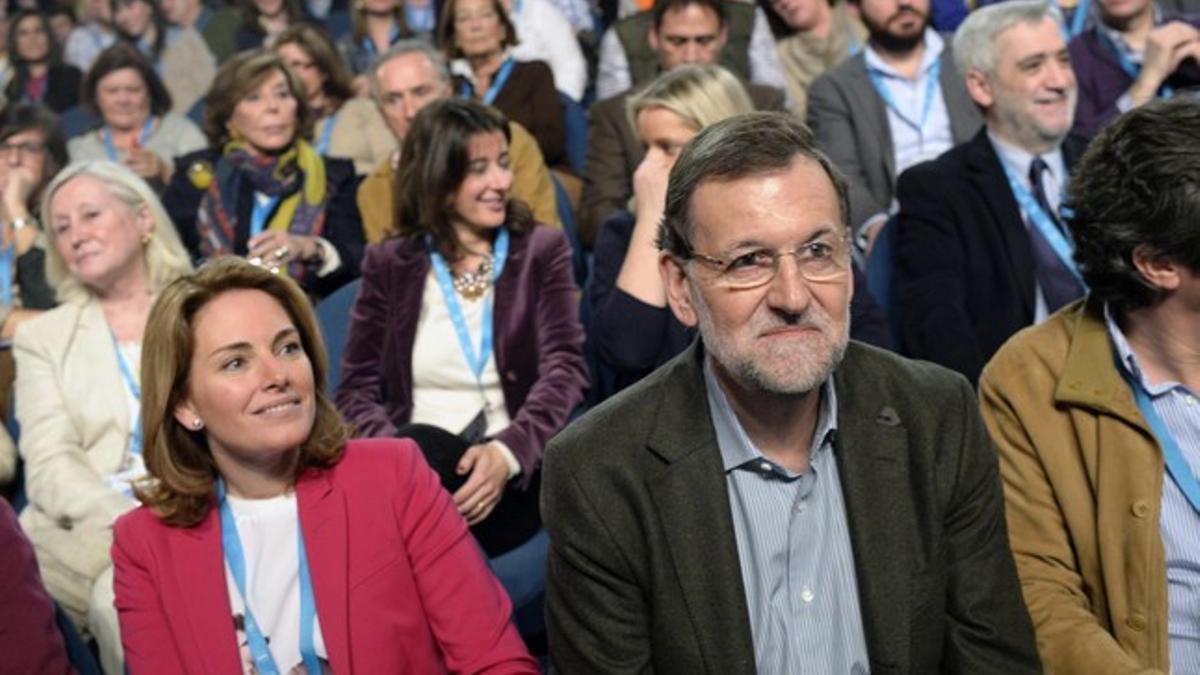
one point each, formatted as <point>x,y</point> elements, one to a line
<point>1087,407</point>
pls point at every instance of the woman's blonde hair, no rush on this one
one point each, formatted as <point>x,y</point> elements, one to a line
<point>700,94</point>
<point>183,474</point>
<point>166,258</point>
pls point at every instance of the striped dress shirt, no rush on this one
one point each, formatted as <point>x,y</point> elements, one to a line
<point>1180,523</point>
<point>794,548</point>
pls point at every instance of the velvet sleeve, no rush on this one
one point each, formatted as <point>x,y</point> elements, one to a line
<point>360,395</point>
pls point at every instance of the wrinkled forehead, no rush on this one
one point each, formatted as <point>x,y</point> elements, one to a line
<point>780,208</point>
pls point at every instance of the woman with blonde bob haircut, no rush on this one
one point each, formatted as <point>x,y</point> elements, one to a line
<point>111,250</point>
<point>266,540</point>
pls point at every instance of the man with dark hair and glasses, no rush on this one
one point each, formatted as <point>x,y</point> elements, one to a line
<point>777,499</point>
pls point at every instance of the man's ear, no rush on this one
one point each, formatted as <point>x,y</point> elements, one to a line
<point>980,89</point>
<point>1158,270</point>
<point>722,37</point>
<point>652,37</point>
<point>679,289</point>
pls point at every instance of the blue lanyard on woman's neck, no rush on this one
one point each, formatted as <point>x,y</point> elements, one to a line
<point>476,360</point>
<point>498,82</point>
<point>322,146</point>
<point>1079,18</point>
<point>110,150</point>
<point>231,545</point>
<point>368,43</point>
<point>135,440</point>
<point>1131,69</point>
<point>259,213</point>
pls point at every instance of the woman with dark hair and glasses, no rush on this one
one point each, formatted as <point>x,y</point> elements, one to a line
<point>465,334</point>
<point>344,126</point>
<point>181,57</point>
<point>138,128</point>
<point>40,76</point>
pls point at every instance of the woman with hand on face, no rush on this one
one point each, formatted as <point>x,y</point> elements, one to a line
<point>465,333</point>
<point>267,542</point>
<point>139,130</point>
<point>261,190</point>
<point>344,126</point>
<point>31,151</point>
<point>181,57</point>
<point>40,76</point>
<point>477,35</point>
<point>111,249</point>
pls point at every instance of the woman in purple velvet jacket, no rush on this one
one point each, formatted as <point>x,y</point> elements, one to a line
<point>465,333</point>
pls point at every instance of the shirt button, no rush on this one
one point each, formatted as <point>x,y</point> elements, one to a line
<point>806,595</point>
<point>1140,509</point>
<point>800,506</point>
<point>1189,399</point>
<point>765,466</point>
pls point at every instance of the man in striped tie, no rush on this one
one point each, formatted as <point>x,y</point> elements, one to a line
<point>980,249</point>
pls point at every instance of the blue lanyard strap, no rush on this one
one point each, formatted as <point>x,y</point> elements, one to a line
<point>854,48</point>
<point>1079,18</point>
<point>369,44</point>
<point>1177,466</point>
<point>135,441</point>
<point>498,82</point>
<point>1047,227</point>
<point>110,150</point>
<point>258,215</point>
<point>326,134</point>
<point>7,254</point>
<point>476,360</point>
<point>930,89</point>
<point>1131,69</point>
<point>231,545</point>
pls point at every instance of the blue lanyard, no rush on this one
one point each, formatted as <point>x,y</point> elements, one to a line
<point>853,48</point>
<point>231,544</point>
<point>1079,18</point>
<point>135,441</point>
<point>369,44</point>
<point>106,134</point>
<point>930,88</point>
<point>1131,69</point>
<point>258,216</point>
<point>1045,225</point>
<point>1177,466</point>
<point>476,360</point>
<point>517,7</point>
<point>497,82</point>
<point>6,283</point>
<point>326,134</point>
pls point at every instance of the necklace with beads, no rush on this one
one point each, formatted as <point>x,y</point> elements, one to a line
<point>472,285</point>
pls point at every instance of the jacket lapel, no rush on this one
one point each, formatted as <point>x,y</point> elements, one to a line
<point>197,557</point>
<point>96,376</point>
<point>990,181</point>
<point>323,521</point>
<point>870,110</point>
<point>871,447</point>
<point>693,507</point>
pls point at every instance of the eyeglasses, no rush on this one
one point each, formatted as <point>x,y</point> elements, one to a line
<point>817,261</point>
<point>27,148</point>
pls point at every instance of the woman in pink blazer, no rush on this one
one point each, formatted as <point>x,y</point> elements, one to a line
<point>268,543</point>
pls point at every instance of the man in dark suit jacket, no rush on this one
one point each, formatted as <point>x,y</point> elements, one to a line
<point>972,263</point>
<point>777,499</point>
<point>862,133</point>
<point>614,149</point>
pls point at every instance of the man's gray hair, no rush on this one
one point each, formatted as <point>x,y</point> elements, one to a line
<point>975,39</point>
<point>404,48</point>
<point>738,147</point>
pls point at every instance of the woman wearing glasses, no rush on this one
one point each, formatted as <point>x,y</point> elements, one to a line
<point>632,329</point>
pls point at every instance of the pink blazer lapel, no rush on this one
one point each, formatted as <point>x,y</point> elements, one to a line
<point>196,599</point>
<point>323,520</point>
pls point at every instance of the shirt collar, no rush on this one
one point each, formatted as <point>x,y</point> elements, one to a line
<point>934,45</point>
<point>1017,160</point>
<point>735,445</point>
<point>1127,360</point>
